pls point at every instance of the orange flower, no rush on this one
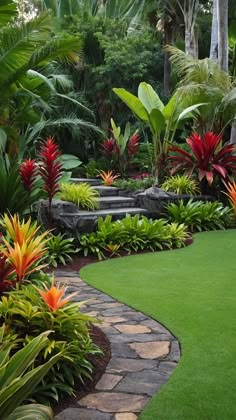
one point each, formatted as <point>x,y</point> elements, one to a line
<point>25,256</point>
<point>53,296</point>
<point>231,188</point>
<point>108,177</point>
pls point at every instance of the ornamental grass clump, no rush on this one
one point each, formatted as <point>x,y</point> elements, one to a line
<point>83,195</point>
<point>181,184</point>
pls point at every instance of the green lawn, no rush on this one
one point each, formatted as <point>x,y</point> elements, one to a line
<point>192,291</point>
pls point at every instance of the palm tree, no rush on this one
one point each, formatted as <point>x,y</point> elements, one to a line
<point>202,81</point>
<point>24,48</point>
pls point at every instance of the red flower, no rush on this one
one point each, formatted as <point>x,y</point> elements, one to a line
<point>50,167</point>
<point>5,271</point>
<point>28,173</point>
<point>109,147</point>
<point>207,157</point>
<point>133,145</point>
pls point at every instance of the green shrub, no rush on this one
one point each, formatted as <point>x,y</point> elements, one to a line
<point>83,195</point>
<point>133,184</point>
<point>133,234</point>
<point>181,184</point>
<point>30,311</point>
<point>59,250</point>
<point>201,215</point>
<point>18,379</point>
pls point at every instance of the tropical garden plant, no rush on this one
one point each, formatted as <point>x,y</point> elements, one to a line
<point>60,249</point>
<point>208,158</point>
<point>31,310</point>
<point>82,195</point>
<point>108,177</point>
<point>200,216</point>
<point>132,234</point>
<point>180,184</point>
<point>121,147</point>
<point>18,379</point>
<point>162,119</point>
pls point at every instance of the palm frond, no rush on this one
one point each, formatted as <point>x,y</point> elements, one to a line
<point>18,43</point>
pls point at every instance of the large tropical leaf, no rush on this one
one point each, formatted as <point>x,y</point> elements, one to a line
<point>149,97</point>
<point>31,411</point>
<point>133,103</point>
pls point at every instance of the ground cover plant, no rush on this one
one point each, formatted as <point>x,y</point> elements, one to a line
<point>199,215</point>
<point>192,292</point>
<point>134,184</point>
<point>60,249</point>
<point>132,233</point>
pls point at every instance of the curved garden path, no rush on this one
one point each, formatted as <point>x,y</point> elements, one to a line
<point>143,356</point>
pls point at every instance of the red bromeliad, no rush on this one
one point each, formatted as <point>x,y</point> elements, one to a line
<point>133,145</point>
<point>5,271</point>
<point>50,168</point>
<point>208,157</point>
<point>109,147</point>
<point>28,173</point>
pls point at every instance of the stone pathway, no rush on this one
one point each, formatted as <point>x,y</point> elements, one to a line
<point>143,356</point>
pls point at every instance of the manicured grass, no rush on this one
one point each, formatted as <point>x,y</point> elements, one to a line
<point>192,291</point>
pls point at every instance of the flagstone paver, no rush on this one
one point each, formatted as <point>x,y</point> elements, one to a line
<point>143,356</point>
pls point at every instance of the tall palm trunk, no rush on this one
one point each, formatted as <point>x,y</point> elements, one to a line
<point>222,11</point>
<point>214,33</point>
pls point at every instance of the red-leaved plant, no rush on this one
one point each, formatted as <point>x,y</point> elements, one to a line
<point>208,158</point>
<point>50,169</point>
<point>121,147</point>
<point>28,174</point>
<point>5,270</point>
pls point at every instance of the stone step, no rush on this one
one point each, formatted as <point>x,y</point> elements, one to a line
<point>86,221</point>
<point>107,191</point>
<point>116,202</point>
<point>90,181</point>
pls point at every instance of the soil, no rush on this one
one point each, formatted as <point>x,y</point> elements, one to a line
<point>99,363</point>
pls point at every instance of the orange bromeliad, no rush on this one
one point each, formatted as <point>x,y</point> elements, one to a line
<point>231,194</point>
<point>108,177</point>
<point>53,296</point>
<point>19,231</point>
<point>27,248</point>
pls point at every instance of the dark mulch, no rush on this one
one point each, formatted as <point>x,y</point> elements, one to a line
<point>79,261</point>
<point>99,363</point>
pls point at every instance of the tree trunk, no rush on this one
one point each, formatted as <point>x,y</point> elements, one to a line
<point>190,12</point>
<point>233,133</point>
<point>222,11</point>
<point>214,33</point>
<point>168,40</point>
<point>191,44</point>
